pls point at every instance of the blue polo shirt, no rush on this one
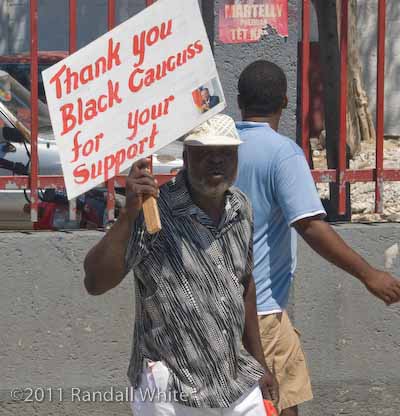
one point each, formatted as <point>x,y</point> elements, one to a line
<point>274,174</point>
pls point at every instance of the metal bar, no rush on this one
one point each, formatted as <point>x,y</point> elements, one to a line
<point>57,182</point>
<point>305,80</point>
<point>110,183</point>
<point>343,106</point>
<point>22,182</point>
<point>111,14</point>
<point>319,175</point>
<point>72,26</point>
<point>72,209</point>
<point>353,176</point>
<point>380,105</point>
<point>72,49</point>
<point>34,109</point>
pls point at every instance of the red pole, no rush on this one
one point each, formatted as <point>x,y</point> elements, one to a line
<point>343,105</point>
<point>150,2</point>
<point>305,80</point>
<point>111,14</point>
<point>72,26</point>
<point>111,182</point>
<point>380,106</point>
<point>34,110</point>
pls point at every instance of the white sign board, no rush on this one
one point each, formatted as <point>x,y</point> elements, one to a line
<point>131,92</point>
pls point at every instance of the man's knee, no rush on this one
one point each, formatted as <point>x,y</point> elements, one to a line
<point>291,411</point>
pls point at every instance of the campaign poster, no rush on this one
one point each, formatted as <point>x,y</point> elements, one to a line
<point>246,21</point>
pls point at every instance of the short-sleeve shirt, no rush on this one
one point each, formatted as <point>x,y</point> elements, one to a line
<point>189,283</point>
<point>274,174</point>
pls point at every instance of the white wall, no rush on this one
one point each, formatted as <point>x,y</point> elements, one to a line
<point>367,27</point>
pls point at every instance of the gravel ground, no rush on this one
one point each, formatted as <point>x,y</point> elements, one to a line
<point>363,194</point>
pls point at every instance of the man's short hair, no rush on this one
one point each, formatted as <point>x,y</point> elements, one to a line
<point>262,88</point>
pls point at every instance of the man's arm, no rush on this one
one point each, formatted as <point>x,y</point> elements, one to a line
<point>323,239</point>
<point>105,263</point>
<point>251,340</point>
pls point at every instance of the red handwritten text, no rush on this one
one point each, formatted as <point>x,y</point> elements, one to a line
<point>141,118</point>
<point>72,80</point>
<point>90,146</point>
<point>111,164</point>
<point>140,78</point>
<point>149,38</point>
<point>76,114</point>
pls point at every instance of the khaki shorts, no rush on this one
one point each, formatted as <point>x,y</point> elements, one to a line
<point>285,358</point>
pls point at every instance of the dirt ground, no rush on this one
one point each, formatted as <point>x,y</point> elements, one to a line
<point>363,194</point>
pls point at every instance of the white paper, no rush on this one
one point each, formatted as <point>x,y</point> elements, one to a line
<point>115,101</point>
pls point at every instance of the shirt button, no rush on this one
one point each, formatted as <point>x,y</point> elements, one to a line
<point>223,299</point>
<point>219,267</point>
<point>224,331</point>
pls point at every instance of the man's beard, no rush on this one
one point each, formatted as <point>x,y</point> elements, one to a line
<point>201,186</point>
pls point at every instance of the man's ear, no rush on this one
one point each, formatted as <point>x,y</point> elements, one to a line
<point>285,102</point>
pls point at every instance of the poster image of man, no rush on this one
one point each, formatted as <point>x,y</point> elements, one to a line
<point>208,101</point>
<point>207,96</point>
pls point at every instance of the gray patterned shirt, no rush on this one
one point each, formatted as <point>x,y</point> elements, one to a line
<point>189,297</point>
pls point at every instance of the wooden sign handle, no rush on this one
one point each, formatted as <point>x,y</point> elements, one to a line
<point>151,215</point>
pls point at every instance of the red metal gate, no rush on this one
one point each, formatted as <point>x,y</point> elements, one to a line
<point>33,182</point>
<point>342,175</point>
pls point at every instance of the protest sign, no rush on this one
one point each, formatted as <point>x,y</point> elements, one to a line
<point>131,92</point>
<point>245,21</point>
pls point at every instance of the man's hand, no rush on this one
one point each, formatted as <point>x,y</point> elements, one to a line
<point>384,286</point>
<point>139,184</point>
<point>269,387</point>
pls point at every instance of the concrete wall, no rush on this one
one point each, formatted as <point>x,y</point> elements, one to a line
<point>232,59</point>
<point>54,335</point>
<point>351,339</point>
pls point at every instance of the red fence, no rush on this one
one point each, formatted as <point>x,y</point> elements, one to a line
<point>341,175</point>
<point>34,181</point>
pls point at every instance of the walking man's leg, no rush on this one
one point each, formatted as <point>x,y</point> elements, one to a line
<point>285,357</point>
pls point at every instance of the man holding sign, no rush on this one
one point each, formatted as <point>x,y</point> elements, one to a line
<point>196,343</point>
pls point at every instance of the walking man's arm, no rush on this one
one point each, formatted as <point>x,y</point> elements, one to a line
<point>323,239</point>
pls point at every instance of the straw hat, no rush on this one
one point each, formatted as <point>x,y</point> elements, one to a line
<point>219,130</point>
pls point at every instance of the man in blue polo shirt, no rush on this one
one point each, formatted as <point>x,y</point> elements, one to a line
<point>274,174</point>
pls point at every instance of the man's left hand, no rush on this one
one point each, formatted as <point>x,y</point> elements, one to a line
<point>269,387</point>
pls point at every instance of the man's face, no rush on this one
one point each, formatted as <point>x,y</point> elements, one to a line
<point>205,95</point>
<point>211,169</point>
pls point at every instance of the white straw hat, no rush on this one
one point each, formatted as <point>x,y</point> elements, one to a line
<point>219,130</point>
